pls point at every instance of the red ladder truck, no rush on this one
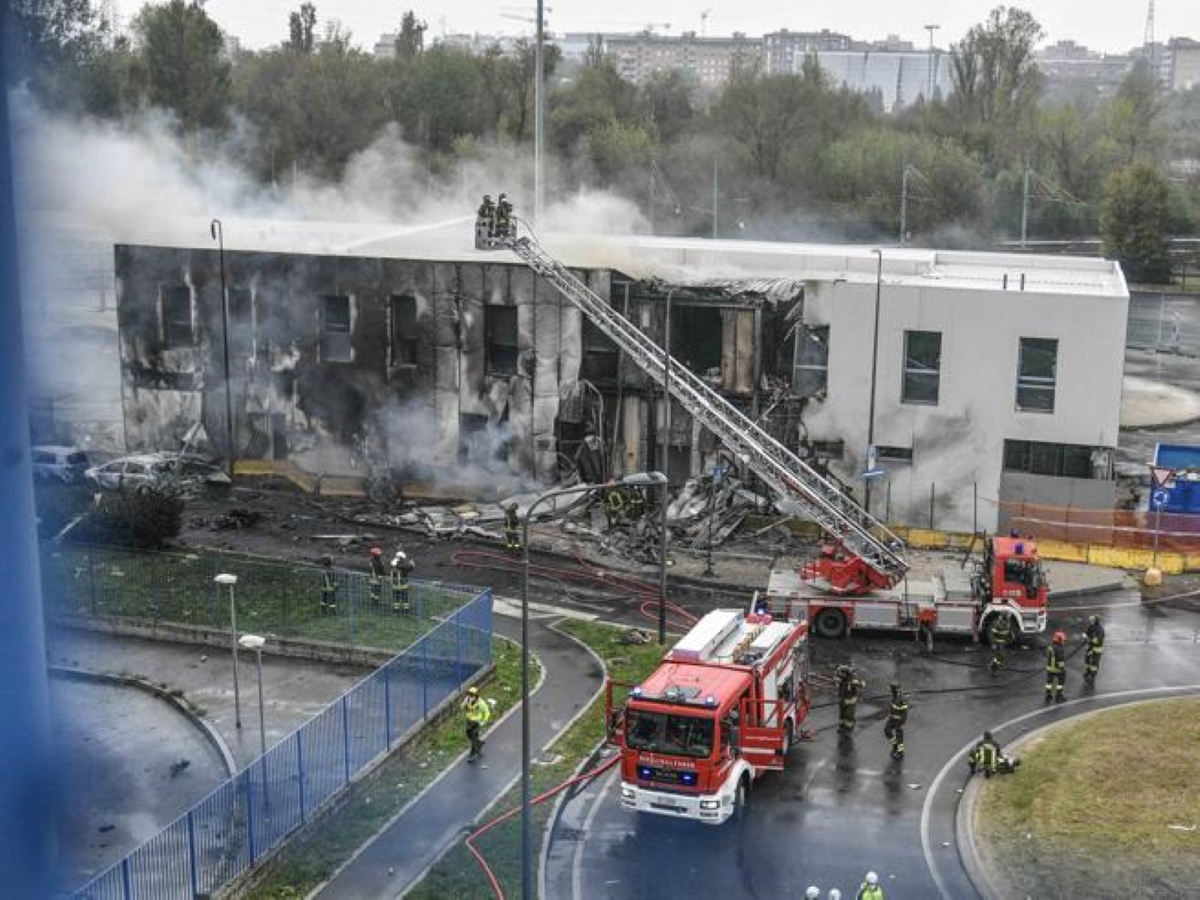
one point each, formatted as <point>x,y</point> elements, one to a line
<point>723,707</point>
<point>863,571</point>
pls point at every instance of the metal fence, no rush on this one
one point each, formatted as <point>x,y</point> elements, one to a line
<point>253,812</point>
<point>283,599</point>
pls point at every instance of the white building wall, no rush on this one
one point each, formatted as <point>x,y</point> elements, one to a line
<point>958,445</point>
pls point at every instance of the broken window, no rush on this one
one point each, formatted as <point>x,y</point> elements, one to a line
<point>500,337</point>
<point>922,367</point>
<point>335,329</point>
<point>402,329</point>
<point>1058,460</point>
<point>893,454</point>
<point>599,355</point>
<point>811,368</point>
<point>176,313</point>
<point>696,335</point>
<point>1037,367</point>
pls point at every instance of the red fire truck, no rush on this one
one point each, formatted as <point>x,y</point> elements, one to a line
<point>1007,581</point>
<point>722,708</point>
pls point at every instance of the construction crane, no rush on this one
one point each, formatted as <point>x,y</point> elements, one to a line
<point>873,557</point>
<point>704,14</point>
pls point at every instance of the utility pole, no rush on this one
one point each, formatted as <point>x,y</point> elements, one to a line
<point>1025,206</point>
<point>539,114</point>
<point>904,206</point>
<point>932,59</point>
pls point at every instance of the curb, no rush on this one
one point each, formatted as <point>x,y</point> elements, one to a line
<point>175,700</point>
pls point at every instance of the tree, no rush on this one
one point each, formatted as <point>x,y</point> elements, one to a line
<point>411,40</point>
<point>669,100</point>
<point>301,27</point>
<point>996,82</point>
<point>1133,119</point>
<point>51,43</point>
<point>184,64</point>
<point>1135,217</point>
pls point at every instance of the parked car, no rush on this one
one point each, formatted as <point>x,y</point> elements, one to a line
<point>139,474</point>
<point>55,463</point>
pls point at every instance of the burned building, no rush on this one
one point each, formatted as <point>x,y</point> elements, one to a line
<point>963,379</point>
<point>474,374</point>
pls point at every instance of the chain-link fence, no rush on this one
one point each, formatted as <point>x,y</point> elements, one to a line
<point>253,812</point>
<point>280,599</point>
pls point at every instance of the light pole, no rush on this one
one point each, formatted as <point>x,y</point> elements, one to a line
<point>218,234</point>
<point>638,479</point>
<point>874,369</point>
<point>255,642</point>
<point>231,580</point>
<point>931,29</point>
<point>539,113</point>
<point>666,470</point>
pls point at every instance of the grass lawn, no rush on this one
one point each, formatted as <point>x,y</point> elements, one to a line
<point>275,598</point>
<point>1091,809</point>
<point>458,875</point>
<point>309,860</point>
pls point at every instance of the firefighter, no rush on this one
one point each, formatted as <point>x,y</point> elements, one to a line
<point>402,567</point>
<point>487,215</point>
<point>328,587</point>
<point>850,687</point>
<point>614,506</point>
<point>503,216</point>
<point>999,635</point>
<point>893,728</point>
<point>870,889</point>
<point>1095,647</point>
<point>375,575</point>
<point>987,757</point>
<point>478,712</point>
<point>1056,668</point>
<point>512,529</point>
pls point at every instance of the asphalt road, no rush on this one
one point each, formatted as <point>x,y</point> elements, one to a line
<point>843,807</point>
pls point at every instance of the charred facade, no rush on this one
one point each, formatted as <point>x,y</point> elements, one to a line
<point>477,375</point>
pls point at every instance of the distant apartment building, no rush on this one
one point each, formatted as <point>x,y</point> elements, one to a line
<point>783,51</point>
<point>1069,64</point>
<point>710,60</point>
<point>1183,63</point>
<point>901,77</point>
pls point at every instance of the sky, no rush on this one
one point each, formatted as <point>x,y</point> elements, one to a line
<point>1105,25</point>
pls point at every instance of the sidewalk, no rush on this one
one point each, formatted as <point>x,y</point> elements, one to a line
<point>400,855</point>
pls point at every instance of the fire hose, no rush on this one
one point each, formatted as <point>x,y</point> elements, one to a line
<point>480,832</point>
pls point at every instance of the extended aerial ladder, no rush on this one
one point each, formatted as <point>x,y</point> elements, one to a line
<point>875,552</point>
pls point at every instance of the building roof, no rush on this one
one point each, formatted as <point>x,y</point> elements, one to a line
<point>677,260</point>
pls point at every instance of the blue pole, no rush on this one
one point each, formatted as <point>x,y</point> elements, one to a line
<point>126,883</point>
<point>26,777</point>
<point>191,834</point>
<point>425,676</point>
<point>300,775</point>
<point>346,739</point>
<point>249,792</point>
<point>387,707</point>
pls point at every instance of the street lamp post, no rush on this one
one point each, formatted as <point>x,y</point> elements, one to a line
<point>874,369</point>
<point>666,469</point>
<point>638,479</point>
<point>539,114</point>
<point>255,642</point>
<point>218,233</point>
<point>931,29</point>
<point>231,580</point>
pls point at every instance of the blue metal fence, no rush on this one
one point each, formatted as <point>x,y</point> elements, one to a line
<point>257,809</point>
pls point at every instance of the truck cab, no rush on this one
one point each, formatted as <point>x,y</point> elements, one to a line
<point>721,709</point>
<point>1011,581</point>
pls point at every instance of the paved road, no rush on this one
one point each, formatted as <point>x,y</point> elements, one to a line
<point>843,806</point>
<point>117,786</point>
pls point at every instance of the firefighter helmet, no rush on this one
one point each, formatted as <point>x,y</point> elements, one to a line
<point>872,878</point>
<point>1060,637</point>
<point>375,551</point>
<point>487,198</point>
<point>895,686</point>
<point>473,691</point>
<point>987,736</point>
<point>1093,619</point>
<point>327,560</point>
<point>812,893</point>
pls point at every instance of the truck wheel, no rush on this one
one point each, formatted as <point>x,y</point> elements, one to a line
<point>739,798</point>
<point>830,623</point>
